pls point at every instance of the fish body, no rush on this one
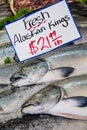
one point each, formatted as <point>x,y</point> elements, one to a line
<point>67,56</point>
<point>11,100</point>
<point>72,105</point>
<point>40,76</point>
<point>6,71</point>
<point>29,74</point>
<point>56,74</point>
<point>56,65</point>
<point>74,86</point>
<point>4,88</point>
<point>75,104</point>
<point>66,61</point>
<point>43,101</point>
<point>22,70</point>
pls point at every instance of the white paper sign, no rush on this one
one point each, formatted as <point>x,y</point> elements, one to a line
<point>42,31</point>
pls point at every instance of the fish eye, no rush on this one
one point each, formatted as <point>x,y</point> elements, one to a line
<point>38,103</point>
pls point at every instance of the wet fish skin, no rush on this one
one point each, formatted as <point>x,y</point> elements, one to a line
<point>6,71</point>
<point>56,74</point>
<point>57,58</point>
<point>80,101</point>
<point>43,101</point>
<point>18,79</point>
<point>64,57</point>
<point>74,86</point>
<point>12,100</point>
<point>29,74</point>
<point>74,105</point>
<point>4,88</point>
<point>67,57</point>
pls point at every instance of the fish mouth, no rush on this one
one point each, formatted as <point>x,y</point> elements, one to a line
<point>3,85</point>
<point>14,78</point>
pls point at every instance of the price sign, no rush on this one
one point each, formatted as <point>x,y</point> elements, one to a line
<point>42,31</point>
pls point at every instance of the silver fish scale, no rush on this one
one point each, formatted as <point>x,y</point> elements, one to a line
<point>46,98</point>
<point>74,86</point>
<point>29,74</point>
<point>58,57</point>
<point>8,70</point>
<point>35,68</point>
<point>12,101</point>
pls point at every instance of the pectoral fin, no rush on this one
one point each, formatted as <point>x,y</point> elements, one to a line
<point>78,101</point>
<point>56,74</point>
<point>65,71</point>
<point>73,107</point>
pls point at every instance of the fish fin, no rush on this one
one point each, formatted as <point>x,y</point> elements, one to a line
<point>78,101</point>
<point>65,71</point>
<point>73,107</point>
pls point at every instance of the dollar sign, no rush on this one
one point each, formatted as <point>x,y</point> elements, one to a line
<point>33,49</point>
